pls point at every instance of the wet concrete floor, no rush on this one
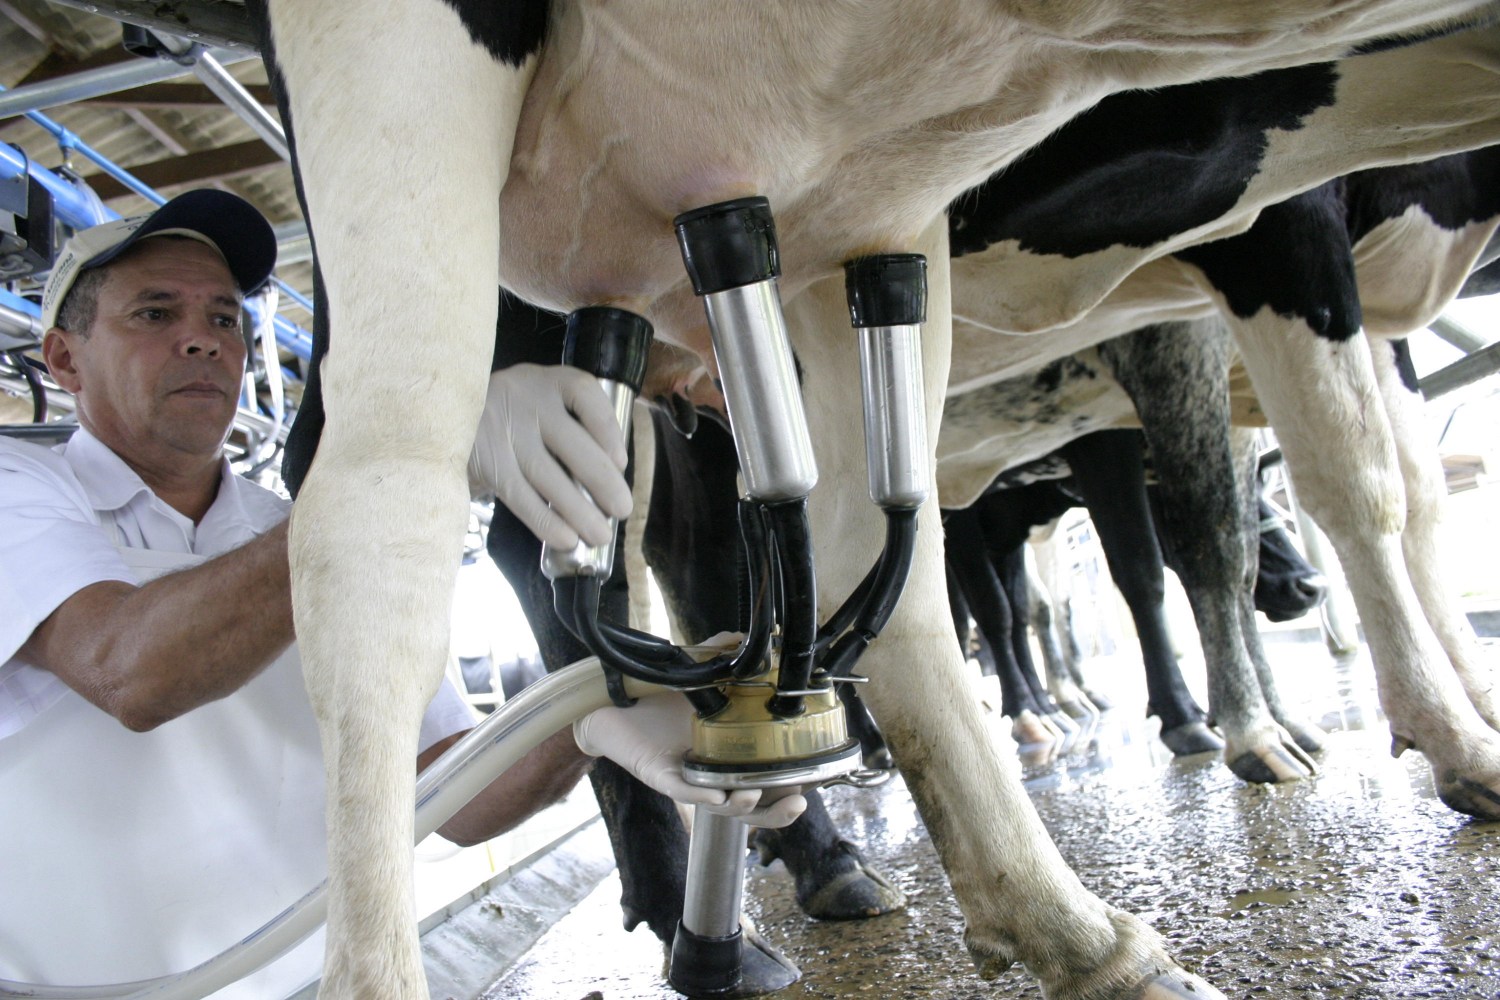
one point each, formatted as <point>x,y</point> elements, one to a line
<point>1356,884</point>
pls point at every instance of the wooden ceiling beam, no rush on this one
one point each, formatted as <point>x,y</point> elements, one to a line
<point>175,95</point>
<point>192,170</point>
<point>58,64</point>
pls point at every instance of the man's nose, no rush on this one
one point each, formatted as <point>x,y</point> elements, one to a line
<point>201,338</point>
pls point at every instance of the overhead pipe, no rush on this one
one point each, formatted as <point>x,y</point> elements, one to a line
<point>109,80</point>
<point>211,72</point>
<point>239,100</point>
<point>19,326</point>
<point>74,204</point>
<point>293,246</point>
<point>1457,334</point>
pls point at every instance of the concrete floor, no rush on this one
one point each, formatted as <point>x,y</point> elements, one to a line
<point>1356,884</point>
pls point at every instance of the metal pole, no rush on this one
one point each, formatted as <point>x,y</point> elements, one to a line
<point>716,871</point>
<point>239,100</point>
<point>1471,368</point>
<point>105,80</point>
<point>18,328</point>
<point>1457,334</point>
<point>292,244</point>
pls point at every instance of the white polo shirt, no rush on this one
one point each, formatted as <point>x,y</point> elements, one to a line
<point>64,511</point>
<point>127,856</point>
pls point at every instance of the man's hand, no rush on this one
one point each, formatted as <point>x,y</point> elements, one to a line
<point>648,740</point>
<point>544,426</point>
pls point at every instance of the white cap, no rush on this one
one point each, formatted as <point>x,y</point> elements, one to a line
<point>226,222</point>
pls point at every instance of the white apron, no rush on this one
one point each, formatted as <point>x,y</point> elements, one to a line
<point>126,856</point>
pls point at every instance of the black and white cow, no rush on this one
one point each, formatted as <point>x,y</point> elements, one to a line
<point>1381,250</point>
<point>1286,587</point>
<point>997,527</point>
<point>447,147</point>
<point>1175,378</point>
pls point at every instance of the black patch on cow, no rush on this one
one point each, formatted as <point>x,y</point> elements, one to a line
<point>307,425</point>
<point>1295,259</point>
<point>1049,378</point>
<point>1454,191</point>
<point>1404,367</point>
<point>527,334</point>
<point>1463,23</point>
<point>510,30</point>
<point>1140,166</point>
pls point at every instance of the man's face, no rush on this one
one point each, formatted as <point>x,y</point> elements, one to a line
<point>162,365</point>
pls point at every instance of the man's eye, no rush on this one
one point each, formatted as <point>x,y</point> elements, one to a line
<point>227,322</point>
<point>153,315</point>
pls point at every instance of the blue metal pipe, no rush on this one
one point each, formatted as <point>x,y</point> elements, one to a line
<point>77,207</point>
<point>69,140</point>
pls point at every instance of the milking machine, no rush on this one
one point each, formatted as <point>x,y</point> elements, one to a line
<point>766,713</point>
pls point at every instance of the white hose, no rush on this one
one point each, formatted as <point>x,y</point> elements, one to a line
<point>457,776</point>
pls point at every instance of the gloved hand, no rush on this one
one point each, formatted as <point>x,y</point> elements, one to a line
<point>540,424</point>
<point>648,740</point>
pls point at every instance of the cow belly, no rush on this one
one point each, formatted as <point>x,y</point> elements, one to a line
<point>859,122</point>
<point>987,350</point>
<point>1410,268</point>
<point>1020,420</point>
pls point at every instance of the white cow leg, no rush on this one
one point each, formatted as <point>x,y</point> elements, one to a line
<point>1020,900</point>
<point>1422,540</point>
<point>1061,683</point>
<point>1323,401</point>
<point>402,182</point>
<point>1304,731</point>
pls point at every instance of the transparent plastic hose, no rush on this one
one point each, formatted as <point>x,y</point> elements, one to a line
<point>467,767</point>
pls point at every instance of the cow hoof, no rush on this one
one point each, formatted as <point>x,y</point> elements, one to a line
<point>1305,734</point>
<point>1064,723</point>
<point>1190,738</point>
<point>765,969</point>
<point>1080,709</point>
<point>854,894</point>
<point>1028,728</point>
<point>1178,984</point>
<point>1472,798</point>
<point>1269,765</point>
<point>1465,764</point>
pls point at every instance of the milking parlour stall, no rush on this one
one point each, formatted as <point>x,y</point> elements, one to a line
<point>929,338</point>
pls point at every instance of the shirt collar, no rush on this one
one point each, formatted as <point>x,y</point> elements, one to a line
<point>109,482</point>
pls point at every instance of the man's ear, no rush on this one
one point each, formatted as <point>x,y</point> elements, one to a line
<point>57,353</point>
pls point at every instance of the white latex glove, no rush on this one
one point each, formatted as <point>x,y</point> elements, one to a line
<point>648,740</point>
<point>543,426</point>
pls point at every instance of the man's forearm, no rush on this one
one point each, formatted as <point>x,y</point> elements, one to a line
<point>148,654</point>
<point>546,774</point>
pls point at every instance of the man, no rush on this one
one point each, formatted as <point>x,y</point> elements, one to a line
<point>159,763</point>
